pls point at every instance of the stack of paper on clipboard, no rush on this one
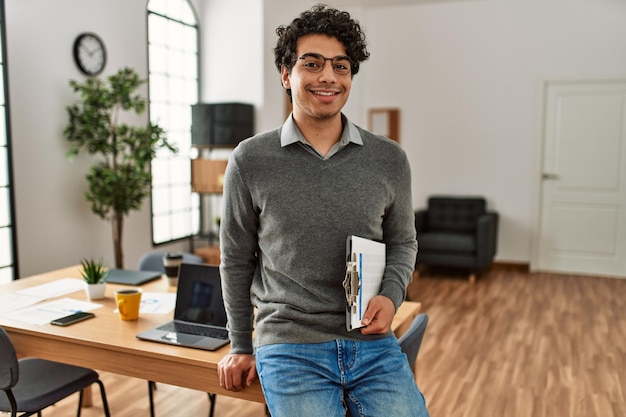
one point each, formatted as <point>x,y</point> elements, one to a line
<point>365,266</point>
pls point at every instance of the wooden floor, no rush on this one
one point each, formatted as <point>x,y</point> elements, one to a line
<point>511,345</point>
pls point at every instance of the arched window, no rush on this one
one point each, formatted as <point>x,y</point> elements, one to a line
<point>174,87</point>
<point>8,256</point>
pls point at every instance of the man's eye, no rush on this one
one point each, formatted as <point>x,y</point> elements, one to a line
<point>311,64</point>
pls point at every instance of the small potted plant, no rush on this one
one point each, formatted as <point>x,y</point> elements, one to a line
<point>94,272</point>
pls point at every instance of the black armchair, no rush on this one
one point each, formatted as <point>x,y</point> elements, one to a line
<point>457,232</point>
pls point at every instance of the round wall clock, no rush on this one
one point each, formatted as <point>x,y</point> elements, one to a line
<point>89,53</point>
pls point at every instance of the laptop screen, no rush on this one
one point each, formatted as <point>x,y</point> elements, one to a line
<point>199,295</point>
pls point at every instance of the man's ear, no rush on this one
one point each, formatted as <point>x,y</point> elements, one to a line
<point>284,75</point>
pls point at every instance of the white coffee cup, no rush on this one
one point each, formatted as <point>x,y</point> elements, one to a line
<point>171,263</point>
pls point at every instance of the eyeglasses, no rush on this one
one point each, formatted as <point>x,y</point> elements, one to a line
<point>313,62</point>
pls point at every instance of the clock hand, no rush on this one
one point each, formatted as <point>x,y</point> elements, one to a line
<point>89,52</point>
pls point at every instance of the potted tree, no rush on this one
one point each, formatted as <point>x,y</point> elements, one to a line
<point>94,272</point>
<point>120,180</point>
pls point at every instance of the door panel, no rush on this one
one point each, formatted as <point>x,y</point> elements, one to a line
<point>583,212</point>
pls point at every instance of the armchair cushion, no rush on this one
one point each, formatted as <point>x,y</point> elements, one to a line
<point>448,241</point>
<point>454,214</point>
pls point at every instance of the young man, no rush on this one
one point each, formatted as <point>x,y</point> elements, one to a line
<point>291,198</point>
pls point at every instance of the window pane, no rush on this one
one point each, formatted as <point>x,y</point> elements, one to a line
<point>160,174</point>
<point>161,201</point>
<point>158,59</point>
<point>161,229</point>
<point>6,275</point>
<point>4,168</point>
<point>5,250</point>
<point>157,6</point>
<point>5,219</point>
<point>186,15</point>
<point>157,30</point>
<point>181,168</point>
<point>160,115</point>
<point>181,224</point>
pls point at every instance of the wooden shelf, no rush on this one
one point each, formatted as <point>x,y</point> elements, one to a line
<point>207,175</point>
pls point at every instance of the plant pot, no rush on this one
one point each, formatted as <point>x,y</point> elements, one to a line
<point>95,291</point>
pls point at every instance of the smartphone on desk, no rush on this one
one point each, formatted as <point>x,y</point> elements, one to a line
<point>72,318</point>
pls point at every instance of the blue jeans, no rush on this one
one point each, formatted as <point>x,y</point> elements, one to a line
<point>371,378</point>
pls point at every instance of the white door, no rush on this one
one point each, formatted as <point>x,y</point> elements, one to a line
<point>583,210</point>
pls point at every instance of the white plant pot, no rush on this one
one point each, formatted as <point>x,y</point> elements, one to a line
<point>95,291</point>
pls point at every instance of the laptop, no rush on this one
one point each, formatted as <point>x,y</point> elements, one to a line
<point>129,277</point>
<point>199,314</point>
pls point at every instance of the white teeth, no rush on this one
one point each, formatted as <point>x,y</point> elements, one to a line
<point>320,93</point>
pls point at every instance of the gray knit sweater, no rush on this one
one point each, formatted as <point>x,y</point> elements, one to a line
<point>286,215</point>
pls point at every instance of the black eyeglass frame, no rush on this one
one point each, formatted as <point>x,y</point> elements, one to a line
<point>332,60</point>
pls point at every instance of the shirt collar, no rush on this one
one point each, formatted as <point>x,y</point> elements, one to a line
<point>291,134</point>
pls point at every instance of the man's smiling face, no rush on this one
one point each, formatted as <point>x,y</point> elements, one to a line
<point>317,95</point>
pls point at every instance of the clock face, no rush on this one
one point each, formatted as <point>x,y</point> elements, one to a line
<point>89,53</point>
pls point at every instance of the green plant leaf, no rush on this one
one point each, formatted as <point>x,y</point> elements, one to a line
<point>93,271</point>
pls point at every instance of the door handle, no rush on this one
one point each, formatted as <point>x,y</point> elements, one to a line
<point>548,176</point>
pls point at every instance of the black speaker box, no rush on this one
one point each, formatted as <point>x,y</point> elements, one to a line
<point>221,124</point>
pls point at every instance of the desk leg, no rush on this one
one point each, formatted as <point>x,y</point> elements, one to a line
<point>87,397</point>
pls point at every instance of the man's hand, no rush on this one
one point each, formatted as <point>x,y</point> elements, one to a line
<point>378,316</point>
<point>234,368</point>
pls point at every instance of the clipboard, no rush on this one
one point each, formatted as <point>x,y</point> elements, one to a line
<point>365,267</point>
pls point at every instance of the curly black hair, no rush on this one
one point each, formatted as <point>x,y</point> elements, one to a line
<point>321,19</point>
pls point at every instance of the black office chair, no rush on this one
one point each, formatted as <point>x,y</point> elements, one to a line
<point>153,261</point>
<point>411,341</point>
<point>32,384</point>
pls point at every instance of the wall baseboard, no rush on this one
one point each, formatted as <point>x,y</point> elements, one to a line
<point>518,266</point>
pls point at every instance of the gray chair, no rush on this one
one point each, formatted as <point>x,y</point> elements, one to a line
<point>153,261</point>
<point>32,384</point>
<point>411,341</point>
<point>456,232</point>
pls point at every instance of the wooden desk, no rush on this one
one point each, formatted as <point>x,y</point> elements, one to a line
<point>109,344</point>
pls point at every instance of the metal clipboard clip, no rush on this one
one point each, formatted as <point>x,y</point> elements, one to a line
<point>351,283</point>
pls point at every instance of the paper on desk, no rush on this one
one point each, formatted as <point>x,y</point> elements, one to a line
<point>44,313</point>
<point>55,288</point>
<point>12,302</point>
<point>156,303</point>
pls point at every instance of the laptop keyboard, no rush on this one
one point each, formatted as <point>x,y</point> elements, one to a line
<point>195,330</point>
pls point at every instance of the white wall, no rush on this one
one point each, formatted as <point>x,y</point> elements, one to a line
<point>469,76</point>
<point>468,82</point>
<point>232,59</point>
